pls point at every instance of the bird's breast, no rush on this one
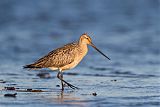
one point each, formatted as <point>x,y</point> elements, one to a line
<point>79,55</point>
<point>82,51</point>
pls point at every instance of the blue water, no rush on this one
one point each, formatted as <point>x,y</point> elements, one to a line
<point>127,31</point>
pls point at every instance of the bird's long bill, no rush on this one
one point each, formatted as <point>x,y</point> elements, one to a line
<point>99,51</point>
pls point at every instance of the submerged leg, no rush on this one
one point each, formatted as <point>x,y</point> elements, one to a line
<point>60,76</point>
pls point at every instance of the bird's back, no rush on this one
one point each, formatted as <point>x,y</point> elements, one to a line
<point>56,58</point>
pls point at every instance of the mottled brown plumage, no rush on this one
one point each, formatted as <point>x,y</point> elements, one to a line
<point>65,57</point>
<point>56,58</point>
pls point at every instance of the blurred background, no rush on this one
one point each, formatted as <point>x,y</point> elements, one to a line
<point>128,31</point>
<point>122,29</point>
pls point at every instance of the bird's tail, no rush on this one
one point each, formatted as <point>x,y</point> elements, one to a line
<point>31,66</point>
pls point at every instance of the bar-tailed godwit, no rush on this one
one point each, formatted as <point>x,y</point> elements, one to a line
<point>65,58</point>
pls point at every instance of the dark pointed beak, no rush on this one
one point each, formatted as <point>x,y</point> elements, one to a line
<point>99,51</point>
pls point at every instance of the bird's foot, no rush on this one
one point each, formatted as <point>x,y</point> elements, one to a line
<point>70,85</point>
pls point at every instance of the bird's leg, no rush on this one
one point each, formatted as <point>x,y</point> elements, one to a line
<point>70,85</point>
<point>61,76</point>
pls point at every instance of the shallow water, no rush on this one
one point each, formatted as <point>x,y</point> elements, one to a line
<point>127,31</point>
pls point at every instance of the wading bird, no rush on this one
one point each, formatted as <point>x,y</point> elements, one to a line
<point>65,58</point>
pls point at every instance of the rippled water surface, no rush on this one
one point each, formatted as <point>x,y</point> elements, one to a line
<point>127,31</point>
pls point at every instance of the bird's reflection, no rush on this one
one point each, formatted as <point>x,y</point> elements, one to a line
<point>68,97</point>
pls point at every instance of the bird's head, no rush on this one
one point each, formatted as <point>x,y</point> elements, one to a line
<point>86,40</point>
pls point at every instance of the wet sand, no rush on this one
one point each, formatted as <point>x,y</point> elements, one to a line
<point>127,31</point>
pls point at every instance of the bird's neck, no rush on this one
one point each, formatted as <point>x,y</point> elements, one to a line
<point>82,44</point>
<point>83,47</point>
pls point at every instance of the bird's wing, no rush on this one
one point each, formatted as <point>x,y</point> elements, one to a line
<point>57,58</point>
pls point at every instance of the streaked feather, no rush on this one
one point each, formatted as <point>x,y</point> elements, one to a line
<point>56,58</point>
